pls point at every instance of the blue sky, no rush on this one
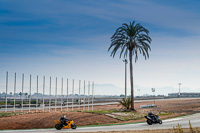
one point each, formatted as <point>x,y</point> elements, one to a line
<point>65,38</point>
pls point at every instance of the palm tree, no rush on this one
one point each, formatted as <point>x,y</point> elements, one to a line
<point>132,38</point>
<point>126,103</point>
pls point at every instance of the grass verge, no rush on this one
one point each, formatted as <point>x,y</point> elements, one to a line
<point>101,112</point>
<point>6,114</point>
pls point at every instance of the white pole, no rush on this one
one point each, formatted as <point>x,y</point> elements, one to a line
<point>22,91</point>
<point>30,94</point>
<point>79,95</point>
<point>61,92</point>
<point>72,94</point>
<point>43,92</point>
<point>37,95</point>
<point>56,95</point>
<point>88,95</point>
<point>179,89</point>
<point>14,91</point>
<point>6,92</point>
<point>92,94</point>
<point>125,61</point>
<point>84,96</point>
<point>50,95</point>
<point>153,90</point>
<point>67,95</point>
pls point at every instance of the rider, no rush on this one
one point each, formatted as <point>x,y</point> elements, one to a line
<point>63,120</point>
<point>152,116</point>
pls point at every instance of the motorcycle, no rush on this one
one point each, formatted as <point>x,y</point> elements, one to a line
<point>69,124</point>
<point>153,119</point>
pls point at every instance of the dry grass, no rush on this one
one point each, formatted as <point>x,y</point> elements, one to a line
<point>179,129</point>
<point>142,131</point>
<point>152,131</point>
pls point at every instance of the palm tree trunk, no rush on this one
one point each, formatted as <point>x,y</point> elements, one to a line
<point>131,79</point>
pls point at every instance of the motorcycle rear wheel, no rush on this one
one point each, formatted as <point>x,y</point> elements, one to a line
<point>58,127</point>
<point>149,122</point>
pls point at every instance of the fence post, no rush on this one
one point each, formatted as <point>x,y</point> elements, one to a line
<point>72,94</point>
<point>67,95</point>
<point>84,97</point>
<point>30,94</point>
<point>6,92</point>
<point>43,92</point>
<point>88,95</point>
<point>92,94</point>
<point>56,95</point>
<point>79,95</point>
<point>37,95</point>
<point>22,92</point>
<point>50,95</point>
<point>14,91</point>
<point>61,93</point>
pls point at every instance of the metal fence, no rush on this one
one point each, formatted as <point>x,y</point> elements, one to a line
<point>44,94</point>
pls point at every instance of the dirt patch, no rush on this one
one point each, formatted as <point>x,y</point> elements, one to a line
<point>45,120</point>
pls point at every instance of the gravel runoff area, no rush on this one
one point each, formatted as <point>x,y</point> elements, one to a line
<point>45,120</point>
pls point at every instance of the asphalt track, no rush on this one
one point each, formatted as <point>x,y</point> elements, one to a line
<point>167,124</point>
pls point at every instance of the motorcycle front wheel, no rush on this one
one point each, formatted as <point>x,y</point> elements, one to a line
<point>73,126</point>
<point>160,121</point>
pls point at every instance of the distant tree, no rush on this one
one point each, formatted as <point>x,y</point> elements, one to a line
<point>131,39</point>
<point>122,95</point>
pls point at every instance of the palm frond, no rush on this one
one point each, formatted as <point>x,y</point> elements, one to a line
<point>130,38</point>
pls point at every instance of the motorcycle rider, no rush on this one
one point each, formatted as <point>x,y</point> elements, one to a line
<point>150,114</point>
<point>63,120</point>
<point>153,116</point>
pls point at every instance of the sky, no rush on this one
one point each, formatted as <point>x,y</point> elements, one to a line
<point>70,39</point>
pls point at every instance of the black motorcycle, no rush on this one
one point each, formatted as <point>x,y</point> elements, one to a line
<point>153,119</point>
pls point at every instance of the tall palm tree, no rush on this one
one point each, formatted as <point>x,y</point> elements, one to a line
<point>131,39</point>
